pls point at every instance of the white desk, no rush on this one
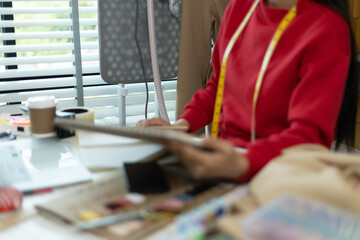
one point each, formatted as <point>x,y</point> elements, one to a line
<point>27,224</point>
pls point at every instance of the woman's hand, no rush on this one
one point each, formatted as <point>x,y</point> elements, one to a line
<point>221,162</point>
<point>152,122</point>
<point>180,124</point>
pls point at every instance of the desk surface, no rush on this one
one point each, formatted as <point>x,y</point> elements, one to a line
<point>27,224</point>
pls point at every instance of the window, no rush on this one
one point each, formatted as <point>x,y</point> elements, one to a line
<point>51,48</point>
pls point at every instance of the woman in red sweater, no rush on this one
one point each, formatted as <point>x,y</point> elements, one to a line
<point>297,87</point>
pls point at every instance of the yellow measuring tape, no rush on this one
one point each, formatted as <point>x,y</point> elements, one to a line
<point>221,83</point>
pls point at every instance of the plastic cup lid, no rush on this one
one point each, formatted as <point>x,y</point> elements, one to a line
<point>41,102</point>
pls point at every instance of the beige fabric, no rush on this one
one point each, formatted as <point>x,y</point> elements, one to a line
<point>231,224</point>
<point>308,171</point>
<point>313,173</point>
<point>200,21</point>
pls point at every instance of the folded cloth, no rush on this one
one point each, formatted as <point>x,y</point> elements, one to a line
<point>312,172</point>
<point>10,199</point>
<point>307,171</point>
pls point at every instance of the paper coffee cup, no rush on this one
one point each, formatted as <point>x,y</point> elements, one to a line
<point>42,113</point>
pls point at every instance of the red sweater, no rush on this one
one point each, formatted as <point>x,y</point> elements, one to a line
<point>303,87</point>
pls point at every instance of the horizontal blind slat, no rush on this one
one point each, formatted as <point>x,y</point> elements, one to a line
<point>44,10</point>
<point>91,68</point>
<point>37,59</point>
<point>22,96</point>
<point>44,0</point>
<point>46,71</point>
<point>47,59</point>
<point>47,47</point>
<point>36,72</point>
<point>46,22</point>
<point>25,85</point>
<point>47,35</point>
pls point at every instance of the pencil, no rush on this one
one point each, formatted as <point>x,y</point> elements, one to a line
<point>171,127</point>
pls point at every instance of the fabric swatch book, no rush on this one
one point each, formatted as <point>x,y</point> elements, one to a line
<point>99,151</point>
<point>103,145</point>
<point>295,218</point>
<point>147,134</point>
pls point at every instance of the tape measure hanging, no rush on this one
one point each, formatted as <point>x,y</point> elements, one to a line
<point>269,52</point>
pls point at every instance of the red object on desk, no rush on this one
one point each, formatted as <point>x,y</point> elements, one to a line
<point>10,199</point>
<point>38,191</point>
<point>20,121</point>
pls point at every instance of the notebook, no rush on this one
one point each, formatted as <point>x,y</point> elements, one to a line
<point>33,164</point>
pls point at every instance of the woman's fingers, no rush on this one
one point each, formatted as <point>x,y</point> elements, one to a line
<point>195,160</point>
<point>218,144</point>
<point>152,122</point>
<point>220,162</point>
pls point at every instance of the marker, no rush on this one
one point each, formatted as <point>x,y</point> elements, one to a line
<point>172,127</point>
<point>7,136</point>
<point>108,220</point>
<point>38,191</point>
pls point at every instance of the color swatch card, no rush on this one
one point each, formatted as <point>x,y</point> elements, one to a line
<point>293,218</point>
<point>108,209</point>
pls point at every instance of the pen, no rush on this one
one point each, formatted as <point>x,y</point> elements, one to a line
<point>108,220</point>
<point>171,127</point>
<point>37,191</point>
<point>7,136</point>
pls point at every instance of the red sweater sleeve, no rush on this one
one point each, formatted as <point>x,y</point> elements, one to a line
<point>315,103</point>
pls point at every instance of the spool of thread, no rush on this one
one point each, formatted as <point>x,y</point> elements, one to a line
<point>79,113</point>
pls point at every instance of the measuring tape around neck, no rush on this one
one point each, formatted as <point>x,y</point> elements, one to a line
<point>269,52</point>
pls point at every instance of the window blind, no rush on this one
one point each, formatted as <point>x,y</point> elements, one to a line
<point>51,48</point>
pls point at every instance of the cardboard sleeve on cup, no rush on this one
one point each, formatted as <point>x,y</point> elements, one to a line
<point>79,113</point>
<point>41,112</point>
